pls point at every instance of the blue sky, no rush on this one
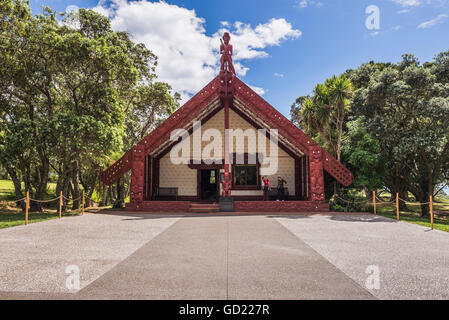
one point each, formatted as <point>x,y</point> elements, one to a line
<point>284,47</point>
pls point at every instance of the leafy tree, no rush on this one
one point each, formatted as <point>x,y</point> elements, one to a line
<point>324,113</point>
<point>71,91</point>
<point>364,158</point>
<point>406,108</point>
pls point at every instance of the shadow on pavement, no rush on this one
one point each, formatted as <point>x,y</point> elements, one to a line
<point>361,218</point>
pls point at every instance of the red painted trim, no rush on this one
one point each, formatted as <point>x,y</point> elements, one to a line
<point>165,151</point>
<point>273,207</point>
<point>253,102</point>
<point>255,125</point>
<point>237,187</point>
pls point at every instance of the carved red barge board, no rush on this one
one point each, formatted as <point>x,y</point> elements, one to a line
<point>187,113</point>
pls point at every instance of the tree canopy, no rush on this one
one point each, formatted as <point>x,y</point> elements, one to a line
<point>394,124</point>
<point>74,93</point>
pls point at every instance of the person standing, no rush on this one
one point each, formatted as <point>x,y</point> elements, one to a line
<point>281,189</point>
<point>266,188</point>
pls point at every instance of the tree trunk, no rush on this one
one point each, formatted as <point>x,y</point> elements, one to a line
<point>17,187</point>
<point>92,189</point>
<point>120,200</point>
<point>76,187</point>
<point>104,201</point>
<point>403,195</point>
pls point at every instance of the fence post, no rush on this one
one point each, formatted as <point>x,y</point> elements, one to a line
<point>374,202</point>
<point>82,211</point>
<point>60,204</point>
<point>431,211</point>
<point>397,206</point>
<point>26,207</point>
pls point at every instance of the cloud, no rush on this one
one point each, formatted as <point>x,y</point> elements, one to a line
<point>188,58</point>
<point>279,75</point>
<point>408,3</point>
<point>433,22</point>
<point>308,3</point>
<point>258,90</point>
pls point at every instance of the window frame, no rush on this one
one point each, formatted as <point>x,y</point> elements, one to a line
<point>246,187</point>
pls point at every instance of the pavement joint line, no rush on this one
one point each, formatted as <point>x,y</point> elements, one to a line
<point>333,265</point>
<point>227,258</point>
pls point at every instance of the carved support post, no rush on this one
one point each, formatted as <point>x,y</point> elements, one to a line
<point>227,176</point>
<point>316,174</point>
<point>137,176</point>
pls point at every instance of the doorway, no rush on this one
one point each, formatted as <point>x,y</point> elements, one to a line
<point>208,185</point>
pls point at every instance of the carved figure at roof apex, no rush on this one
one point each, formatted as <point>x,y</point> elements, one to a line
<point>226,51</point>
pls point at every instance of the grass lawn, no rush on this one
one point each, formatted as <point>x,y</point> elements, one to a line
<point>7,190</point>
<point>441,222</point>
<point>8,219</point>
<point>11,215</point>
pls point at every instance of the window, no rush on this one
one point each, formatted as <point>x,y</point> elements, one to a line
<point>212,177</point>
<point>245,176</point>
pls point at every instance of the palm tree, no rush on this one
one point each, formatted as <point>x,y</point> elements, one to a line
<point>340,91</point>
<point>324,114</point>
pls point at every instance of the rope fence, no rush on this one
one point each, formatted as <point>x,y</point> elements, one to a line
<point>374,203</point>
<point>60,198</point>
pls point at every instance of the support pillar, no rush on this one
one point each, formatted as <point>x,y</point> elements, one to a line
<point>137,176</point>
<point>316,174</point>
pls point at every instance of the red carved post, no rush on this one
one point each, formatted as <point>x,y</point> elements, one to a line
<point>227,76</point>
<point>316,173</point>
<point>137,176</point>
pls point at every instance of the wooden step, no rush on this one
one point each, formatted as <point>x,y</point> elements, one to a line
<point>204,207</point>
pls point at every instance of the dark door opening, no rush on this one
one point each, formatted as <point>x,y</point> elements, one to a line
<point>209,183</point>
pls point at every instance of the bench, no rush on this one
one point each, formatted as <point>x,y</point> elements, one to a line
<point>167,192</point>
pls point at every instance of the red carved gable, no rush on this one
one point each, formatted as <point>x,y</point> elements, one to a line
<point>256,104</point>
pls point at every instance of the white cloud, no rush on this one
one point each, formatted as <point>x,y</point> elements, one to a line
<point>433,22</point>
<point>188,58</point>
<point>258,90</point>
<point>279,75</point>
<point>307,3</point>
<point>408,3</point>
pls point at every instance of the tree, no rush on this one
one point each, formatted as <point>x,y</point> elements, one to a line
<point>70,92</point>
<point>323,115</point>
<point>406,107</point>
<point>364,157</point>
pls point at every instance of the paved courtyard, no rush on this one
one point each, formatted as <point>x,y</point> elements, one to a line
<point>138,256</point>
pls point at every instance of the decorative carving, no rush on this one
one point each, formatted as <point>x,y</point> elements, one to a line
<point>227,86</point>
<point>226,54</point>
<point>137,174</point>
<point>179,119</point>
<point>227,77</point>
<point>316,173</point>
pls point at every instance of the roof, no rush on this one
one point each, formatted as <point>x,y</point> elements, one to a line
<point>244,97</point>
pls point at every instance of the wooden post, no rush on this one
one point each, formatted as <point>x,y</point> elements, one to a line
<point>431,211</point>
<point>397,206</point>
<point>374,202</point>
<point>27,205</point>
<point>60,205</point>
<point>82,210</point>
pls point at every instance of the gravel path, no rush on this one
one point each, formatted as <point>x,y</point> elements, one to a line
<point>412,260</point>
